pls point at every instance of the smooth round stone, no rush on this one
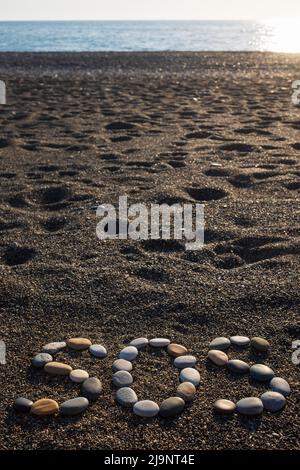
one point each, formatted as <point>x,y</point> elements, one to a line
<point>241,341</point>
<point>139,343</point>
<point>273,401</point>
<point>186,391</point>
<point>126,397</point>
<point>146,408</point>
<point>159,342</point>
<point>224,406</point>
<point>79,344</point>
<point>78,375</point>
<point>220,343</point>
<point>190,375</point>
<point>122,364</point>
<point>122,378</point>
<point>261,372</point>
<point>182,362</point>
<point>97,350</point>
<point>219,358</point>
<point>176,350</point>
<point>129,353</point>
<point>23,405</point>
<point>91,388</point>
<point>237,366</point>
<point>260,344</point>
<point>250,406</point>
<point>41,359</point>
<point>54,348</point>
<point>44,407</point>
<point>57,368</point>
<point>75,406</point>
<point>280,385</point>
<point>171,407</point>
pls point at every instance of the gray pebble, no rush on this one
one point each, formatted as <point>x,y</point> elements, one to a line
<point>159,342</point>
<point>241,341</point>
<point>190,375</point>
<point>91,388</point>
<point>139,343</point>
<point>181,362</point>
<point>122,378</point>
<point>273,401</point>
<point>220,343</point>
<point>146,408</point>
<point>250,406</point>
<point>129,353</point>
<point>97,350</point>
<point>41,359</point>
<point>261,372</point>
<point>237,366</point>
<point>280,385</point>
<point>54,348</point>
<point>126,397</point>
<point>122,364</point>
<point>23,405</point>
<point>171,407</point>
<point>74,406</point>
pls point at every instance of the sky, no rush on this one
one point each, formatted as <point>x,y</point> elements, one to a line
<point>147,9</point>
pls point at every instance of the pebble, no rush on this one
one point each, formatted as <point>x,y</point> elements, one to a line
<point>261,372</point>
<point>57,368</point>
<point>41,359</point>
<point>97,350</point>
<point>273,401</point>
<point>280,385</point>
<point>129,353</point>
<point>171,407</point>
<point>176,350</point>
<point>91,388</point>
<point>186,391</point>
<point>75,406</point>
<point>237,366</point>
<point>122,378</point>
<point>139,343</point>
<point>146,408</point>
<point>183,362</point>
<point>78,375</point>
<point>219,358</point>
<point>23,405</point>
<point>126,397</point>
<point>79,344</point>
<point>220,343</point>
<point>44,407</point>
<point>54,348</point>
<point>159,342</point>
<point>122,364</point>
<point>260,344</point>
<point>190,375</point>
<point>224,406</point>
<point>250,406</point>
<point>241,341</point>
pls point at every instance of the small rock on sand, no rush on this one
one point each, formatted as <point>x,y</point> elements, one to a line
<point>176,350</point>
<point>139,343</point>
<point>74,406</point>
<point>126,397</point>
<point>23,405</point>
<point>250,406</point>
<point>41,359</point>
<point>280,385</point>
<point>57,368</point>
<point>220,343</point>
<point>224,406</point>
<point>44,407</point>
<point>146,408</point>
<point>97,350</point>
<point>273,401</point>
<point>122,364</point>
<point>78,375</point>
<point>122,378</point>
<point>219,358</point>
<point>159,342</point>
<point>171,407</point>
<point>129,353</point>
<point>54,348</point>
<point>186,391</point>
<point>190,375</point>
<point>260,344</point>
<point>79,344</point>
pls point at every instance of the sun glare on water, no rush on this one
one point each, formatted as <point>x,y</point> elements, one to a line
<point>281,35</point>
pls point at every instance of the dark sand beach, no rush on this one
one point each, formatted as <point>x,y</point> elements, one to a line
<point>218,128</point>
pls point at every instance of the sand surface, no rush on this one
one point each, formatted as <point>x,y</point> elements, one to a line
<point>58,161</point>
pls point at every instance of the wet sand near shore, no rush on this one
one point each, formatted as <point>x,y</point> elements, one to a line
<point>215,128</point>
